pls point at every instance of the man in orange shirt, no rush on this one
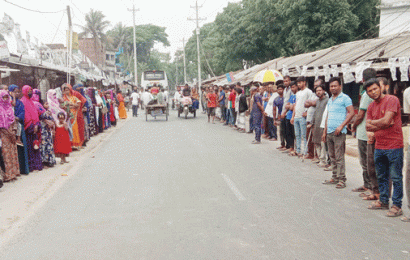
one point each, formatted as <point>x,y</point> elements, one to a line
<point>211,98</point>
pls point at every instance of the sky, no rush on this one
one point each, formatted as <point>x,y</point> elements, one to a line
<point>51,27</point>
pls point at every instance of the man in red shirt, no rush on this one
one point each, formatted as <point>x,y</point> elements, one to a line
<point>384,120</point>
<point>232,98</point>
<point>211,98</point>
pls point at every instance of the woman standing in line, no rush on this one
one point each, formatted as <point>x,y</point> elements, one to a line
<point>19,113</point>
<point>75,106</point>
<point>121,107</point>
<point>32,128</point>
<point>8,129</point>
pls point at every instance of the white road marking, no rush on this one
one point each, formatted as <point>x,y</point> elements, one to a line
<point>233,187</point>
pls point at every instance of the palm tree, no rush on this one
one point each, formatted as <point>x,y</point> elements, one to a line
<point>95,27</point>
<point>119,36</point>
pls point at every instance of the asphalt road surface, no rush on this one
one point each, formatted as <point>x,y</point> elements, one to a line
<point>186,189</point>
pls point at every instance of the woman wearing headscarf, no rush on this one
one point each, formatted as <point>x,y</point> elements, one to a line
<point>99,111</point>
<point>111,101</point>
<point>80,116</point>
<point>8,137</point>
<point>75,108</point>
<point>121,107</point>
<point>47,137</point>
<point>106,111</point>
<point>37,101</point>
<point>93,120</point>
<point>86,113</point>
<point>54,105</point>
<point>32,128</point>
<point>19,113</point>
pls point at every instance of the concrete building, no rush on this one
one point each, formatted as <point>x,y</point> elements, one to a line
<point>394,17</point>
<point>94,51</point>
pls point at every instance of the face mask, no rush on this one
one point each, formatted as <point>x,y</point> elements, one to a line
<point>30,95</point>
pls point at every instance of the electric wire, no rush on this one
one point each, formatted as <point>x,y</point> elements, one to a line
<point>31,10</point>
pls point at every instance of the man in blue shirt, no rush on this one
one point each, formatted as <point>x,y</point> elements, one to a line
<point>257,114</point>
<point>290,130</point>
<point>340,113</point>
<point>278,104</point>
<point>221,101</point>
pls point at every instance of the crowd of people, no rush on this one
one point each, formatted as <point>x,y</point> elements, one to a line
<point>313,125</point>
<point>35,130</point>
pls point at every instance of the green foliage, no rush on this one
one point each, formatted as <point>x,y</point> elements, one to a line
<point>255,31</point>
<point>95,26</point>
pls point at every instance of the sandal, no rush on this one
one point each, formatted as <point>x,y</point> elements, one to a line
<point>341,185</point>
<point>372,197</point>
<point>405,219</point>
<point>293,153</point>
<point>331,181</point>
<point>360,189</point>
<point>365,194</point>
<point>394,211</point>
<point>378,205</point>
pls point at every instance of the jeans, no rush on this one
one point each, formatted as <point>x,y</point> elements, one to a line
<point>300,133</point>
<point>408,176</point>
<point>227,115</point>
<point>337,148</point>
<point>290,134</point>
<point>134,110</point>
<point>257,121</point>
<point>272,131</point>
<point>389,164</point>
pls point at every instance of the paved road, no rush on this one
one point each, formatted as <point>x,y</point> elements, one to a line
<point>186,189</point>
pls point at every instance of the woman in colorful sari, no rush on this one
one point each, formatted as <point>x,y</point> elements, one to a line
<point>80,117</point>
<point>93,118</point>
<point>19,113</point>
<point>32,128</point>
<point>75,108</point>
<point>121,107</point>
<point>47,137</point>
<point>111,101</point>
<point>86,113</point>
<point>106,116</point>
<point>8,129</point>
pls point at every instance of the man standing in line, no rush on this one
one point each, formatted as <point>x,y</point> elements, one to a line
<point>340,112</point>
<point>317,131</point>
<point>286,95</point>
<point>257,114</point>
<point>221,101</point>
<point>299,116</point>
<point>310,104</point>
<point>290,131</point>
<point>232,99</point>
<point>135,98</point>
<point>369,190</point>
<point>384,119</point>
<point>278,105</point>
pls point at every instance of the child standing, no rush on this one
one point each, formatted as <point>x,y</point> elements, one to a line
<point>62,144</point>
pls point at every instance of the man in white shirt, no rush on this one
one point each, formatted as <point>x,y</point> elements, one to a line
<point>272,130</point>
<point>146,97</point>
<point>177,97</point>
<point>299,115</point>
<point>135,98</point>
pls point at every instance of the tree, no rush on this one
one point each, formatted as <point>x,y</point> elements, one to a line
<point>118,36</point>
<point>95,26</point>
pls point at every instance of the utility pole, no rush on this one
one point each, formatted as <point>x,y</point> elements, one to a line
<point>183,42</point>
<point>176,74</point>
<point>133,10</point>
<point>69,44</point>
<point>197,19</point>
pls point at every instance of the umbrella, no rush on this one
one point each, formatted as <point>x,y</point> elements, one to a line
<point>268,76</point>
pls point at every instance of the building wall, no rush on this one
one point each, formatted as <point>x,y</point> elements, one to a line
<point>394,17</point>
<point>94,51</point>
